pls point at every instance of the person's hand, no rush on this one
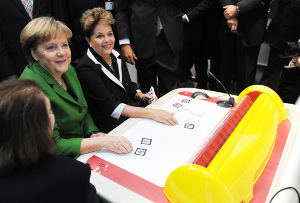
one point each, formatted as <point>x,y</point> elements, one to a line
<point>128,53</point>
<point>11,77</point>
<point>296,59</point>
<point>232,24</point>
<point>146,98</point>
<point>118,144</point>
<point>163,116</point>
<point>230,11</point>
<point>98,134</point>
<point>184,18</point>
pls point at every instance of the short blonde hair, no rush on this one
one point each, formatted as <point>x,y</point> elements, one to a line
<point>40,30</point>
<point>92,17</point>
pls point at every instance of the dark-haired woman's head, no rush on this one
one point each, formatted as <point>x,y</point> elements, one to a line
<point>97,26</point>
<point>26,124</point>
<point>92,17</point>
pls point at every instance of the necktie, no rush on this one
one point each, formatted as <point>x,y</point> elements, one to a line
<point>28,7</point>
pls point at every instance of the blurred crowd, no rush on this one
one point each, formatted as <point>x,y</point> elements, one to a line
<point>226,33</point>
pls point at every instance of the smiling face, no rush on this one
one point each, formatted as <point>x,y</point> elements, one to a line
<point>102,40</point>
<point>53,55</point>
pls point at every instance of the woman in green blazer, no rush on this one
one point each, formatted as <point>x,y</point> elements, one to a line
<point>45,44</point>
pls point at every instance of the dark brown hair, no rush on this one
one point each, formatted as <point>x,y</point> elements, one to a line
<point>25,129</point>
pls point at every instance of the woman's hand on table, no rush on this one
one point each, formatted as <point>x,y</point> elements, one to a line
<point>118,144</point>
<point>163,116</point>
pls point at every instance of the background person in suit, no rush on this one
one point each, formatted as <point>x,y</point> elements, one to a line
<point>193,48</point>
<point>105,79</point>
<point>240,44</point>
<point>28,172</point>
<point>151,37</point>
<point>284,27</point>
<point>45,44</point>
<point>201,42</point>
<point>289,86</point>
<point>13,18</point>
<point>241,34</point>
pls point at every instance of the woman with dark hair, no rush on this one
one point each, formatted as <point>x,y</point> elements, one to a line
<point>28,171</point>
<point>105,80</point>
<point>45,43</point>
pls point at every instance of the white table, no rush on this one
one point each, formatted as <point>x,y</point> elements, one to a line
<point>287,173</point>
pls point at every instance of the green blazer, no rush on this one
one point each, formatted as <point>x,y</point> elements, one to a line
<point>72,120</point>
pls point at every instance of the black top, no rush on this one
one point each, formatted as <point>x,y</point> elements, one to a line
<point>105,89</point>
<point>55,179</point>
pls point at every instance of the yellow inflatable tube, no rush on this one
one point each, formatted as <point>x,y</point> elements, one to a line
<point>239,163</point>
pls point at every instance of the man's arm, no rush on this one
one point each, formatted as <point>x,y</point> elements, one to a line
<point>243,7</point>
<point>123,29</point>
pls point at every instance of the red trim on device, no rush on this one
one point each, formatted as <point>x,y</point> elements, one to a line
<point>263,184</point>
<point>189,94</point>
<point>128,180</point>
<point>222,132</point>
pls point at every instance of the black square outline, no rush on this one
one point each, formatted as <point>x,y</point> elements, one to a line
<point>145,150</point>
<point>185,126</point>
<point>146,139</point>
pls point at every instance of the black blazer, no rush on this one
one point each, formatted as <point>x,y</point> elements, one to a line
<point>252,19</point>
<point>104,90</point>
<point>193,32</point>
<point>285,27</point>
<point>55,179</point>
<point>13,18</point>
<point>77,8</point>
<point>137,20</point>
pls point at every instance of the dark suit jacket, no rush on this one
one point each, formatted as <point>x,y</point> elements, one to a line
<point>285,27</point>
<point>193,32</point>
<point>72,120</point>
<point>252,19</point>
<point>77,8</point>
<point>105,90</point>
<point>55,179</point>
<point>137,20</point>
<point>13,18</point>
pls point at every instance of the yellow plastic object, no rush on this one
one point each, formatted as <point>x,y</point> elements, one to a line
<point>268,91</point>
<point>239,163</point>
<point>193,183</point>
